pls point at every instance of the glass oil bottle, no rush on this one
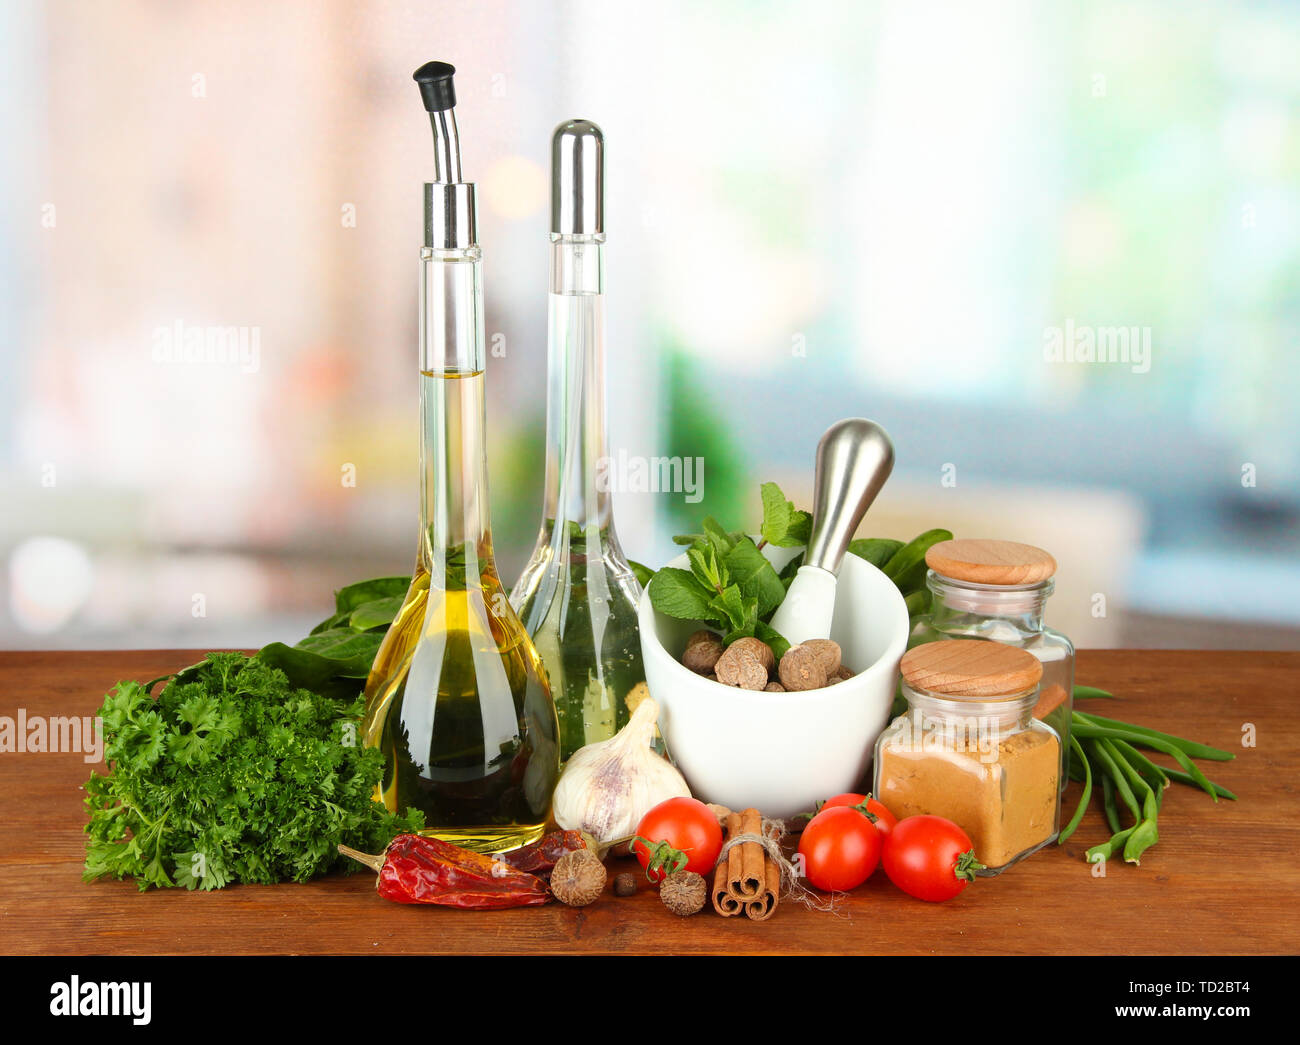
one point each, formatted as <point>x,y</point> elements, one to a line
<point>578,596</point>
<point>457,699</point>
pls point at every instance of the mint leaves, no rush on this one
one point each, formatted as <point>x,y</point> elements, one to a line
<point>783,524</point>
<point>755,576</point>
<point>730,586</point>
<point>677,593</point>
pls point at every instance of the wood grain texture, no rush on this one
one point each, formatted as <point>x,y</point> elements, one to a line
<point>971,668</point>
<point>1223,878</point>
<point>982,561</point>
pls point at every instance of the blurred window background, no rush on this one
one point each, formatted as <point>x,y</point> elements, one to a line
<point>919,213</point>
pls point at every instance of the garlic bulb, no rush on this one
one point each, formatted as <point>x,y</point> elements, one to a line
<point>606,788</point>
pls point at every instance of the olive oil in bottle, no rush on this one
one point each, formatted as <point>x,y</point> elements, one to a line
<point>457,699</point>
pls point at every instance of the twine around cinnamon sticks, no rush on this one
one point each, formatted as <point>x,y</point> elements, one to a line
<point>750,867</point>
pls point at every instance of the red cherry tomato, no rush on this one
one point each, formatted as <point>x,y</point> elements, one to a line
<point>681,834</point>
<point>840,848</point>
<point>929,857</point>
<point>885,820</point>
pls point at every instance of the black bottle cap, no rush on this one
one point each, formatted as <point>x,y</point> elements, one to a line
<point>436,87</point>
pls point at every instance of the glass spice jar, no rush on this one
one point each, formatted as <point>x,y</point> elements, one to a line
<point>997,590</point>
<point>969,749</point>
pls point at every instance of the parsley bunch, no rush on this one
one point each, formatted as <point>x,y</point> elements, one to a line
<point>232,775</point>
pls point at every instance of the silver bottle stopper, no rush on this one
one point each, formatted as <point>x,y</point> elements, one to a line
<point>578,179</point>
<point>449,213</point>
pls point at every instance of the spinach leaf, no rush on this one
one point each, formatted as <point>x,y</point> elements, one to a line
<point>377,613</point>
<point>349,598</point>
<point>906,567</point>
<point>876,550</point>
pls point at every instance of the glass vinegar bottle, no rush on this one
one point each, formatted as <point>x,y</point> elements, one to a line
<point>578,596</point>
<point>457,699</point>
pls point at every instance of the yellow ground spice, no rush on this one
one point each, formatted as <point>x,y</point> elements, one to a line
<point>1006,805</point>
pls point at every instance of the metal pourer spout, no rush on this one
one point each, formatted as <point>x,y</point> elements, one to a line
<point>450,221</point>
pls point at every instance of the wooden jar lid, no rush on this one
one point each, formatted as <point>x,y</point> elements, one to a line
<point>971,668</point>
<point>990,562</point>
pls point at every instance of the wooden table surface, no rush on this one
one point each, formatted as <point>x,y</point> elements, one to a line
<point>1223,878</point>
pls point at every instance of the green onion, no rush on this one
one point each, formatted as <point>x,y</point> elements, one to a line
<point>1080,757</point>
<point>1092,693</point>
<point>1105,757</point>
<point>1190,747</point>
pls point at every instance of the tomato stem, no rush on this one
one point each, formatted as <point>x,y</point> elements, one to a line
<point>664,859</point>
<point>967,866</point>
<point>861,807</point>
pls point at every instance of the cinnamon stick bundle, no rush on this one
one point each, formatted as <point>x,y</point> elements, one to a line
<point>748,880</point>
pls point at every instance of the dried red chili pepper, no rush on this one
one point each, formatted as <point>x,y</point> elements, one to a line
<point>540,857</point>
<point>415,869</point>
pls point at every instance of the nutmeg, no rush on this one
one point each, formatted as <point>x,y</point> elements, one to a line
<point>684,893</point>
<point>738,666</point>
<point>760,649</point>
<point>828,651</point>
<point>703,649</point>
<point>802,668</point>
<point>578,878</point>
